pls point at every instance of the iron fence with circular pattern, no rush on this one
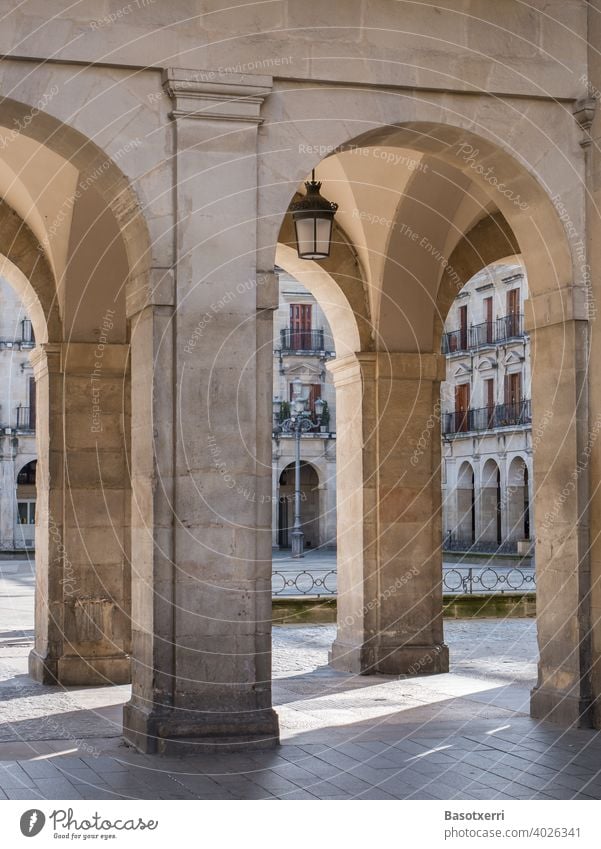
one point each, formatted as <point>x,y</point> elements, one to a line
<point>458,581</point>
<point>467,580</point>
<point>316,582</point>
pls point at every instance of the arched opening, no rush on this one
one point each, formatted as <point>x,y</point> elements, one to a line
<point>417,234</point>
<point>72,239</point>
<point>518,501</point>
<point>491,504</point>
<point>466,506</point>
<point>309,495</point>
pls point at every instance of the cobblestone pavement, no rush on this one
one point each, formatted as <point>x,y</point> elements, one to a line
<point>466,735</point>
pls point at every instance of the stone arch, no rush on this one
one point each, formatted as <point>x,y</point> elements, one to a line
<point>524,198</point>
<point>96,168</point>
<point>490,240</point>
<point>337,283</point>
<point>24,265</point>
<point>83,608</point>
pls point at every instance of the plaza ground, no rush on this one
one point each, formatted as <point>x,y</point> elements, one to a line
<point>465,735</point>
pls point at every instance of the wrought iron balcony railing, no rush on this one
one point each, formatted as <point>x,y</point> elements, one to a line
<point>27,334</point>
<point>488,333</point>
<point>487,418</point>
<point>305,341</point>
<point>510,327</point>
<point>25,419</point>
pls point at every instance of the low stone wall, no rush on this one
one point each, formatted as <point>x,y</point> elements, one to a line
<point>306,609</point>
<point>473,558</point>
<point>490,606</point>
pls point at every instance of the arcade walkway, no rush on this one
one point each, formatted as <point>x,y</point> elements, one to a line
<point>464,735</point>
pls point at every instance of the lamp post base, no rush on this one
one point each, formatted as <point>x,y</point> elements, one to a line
<point>298,544</point>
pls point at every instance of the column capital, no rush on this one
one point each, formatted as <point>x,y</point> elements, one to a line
<point>82,357</point>
<point>214,95</point>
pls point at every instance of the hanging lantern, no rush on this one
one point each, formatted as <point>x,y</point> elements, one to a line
<point>313,216</point>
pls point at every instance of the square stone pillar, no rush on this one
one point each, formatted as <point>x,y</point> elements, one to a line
<point>82,608</point>
<point>389,514</point>
<point>561,447</point>
<point>202,361</point>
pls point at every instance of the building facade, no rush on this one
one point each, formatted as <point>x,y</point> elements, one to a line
<point>303,345</point>
<point>486,416</point>
<point>17,425</point>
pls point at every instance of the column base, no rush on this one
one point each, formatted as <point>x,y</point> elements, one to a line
<point>168,731</point>
<point>369,659</point>
<point>565,709</point>
<point>75,671</point>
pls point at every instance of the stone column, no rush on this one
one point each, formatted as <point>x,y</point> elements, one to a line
<point>7,492</point>
<point>389,514</point>
<point>82,603</point>
<point>559,342</point>
<point>202,651</point>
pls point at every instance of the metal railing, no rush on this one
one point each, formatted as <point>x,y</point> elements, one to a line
<point>25,420</point>
<point>510,327</point>
<point>463,580</point>
<point>487,333</point>
<point>308,341</point>
<point>487,418</point>
<point>455,340</point>
<point>469,580</point>
<point>27,334</point>
<point>316,582</point>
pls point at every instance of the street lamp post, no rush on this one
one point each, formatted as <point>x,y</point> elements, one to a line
<point>298,536</point>
<point>299,422</point>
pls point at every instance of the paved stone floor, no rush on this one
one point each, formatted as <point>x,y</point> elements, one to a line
<point>466,735</point>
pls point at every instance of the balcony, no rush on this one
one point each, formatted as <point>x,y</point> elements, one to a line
<point>487,418</point>
<point>488,333</point>
<point>304,342</point>
<point>27,335</point>
<point>25,418</point>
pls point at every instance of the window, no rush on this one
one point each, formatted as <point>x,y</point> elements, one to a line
<point>300,327</point>
<point>27,334</point>
<point>490,392</point>
<point>488,318</point>
<point>462,403</point>
<point>463,326</point>
<point>513,389</point>
<point>32,403</point>
<point>513,312</point>
<point>311,392</point>
<point>26,513</point>
<point>489,389</point>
